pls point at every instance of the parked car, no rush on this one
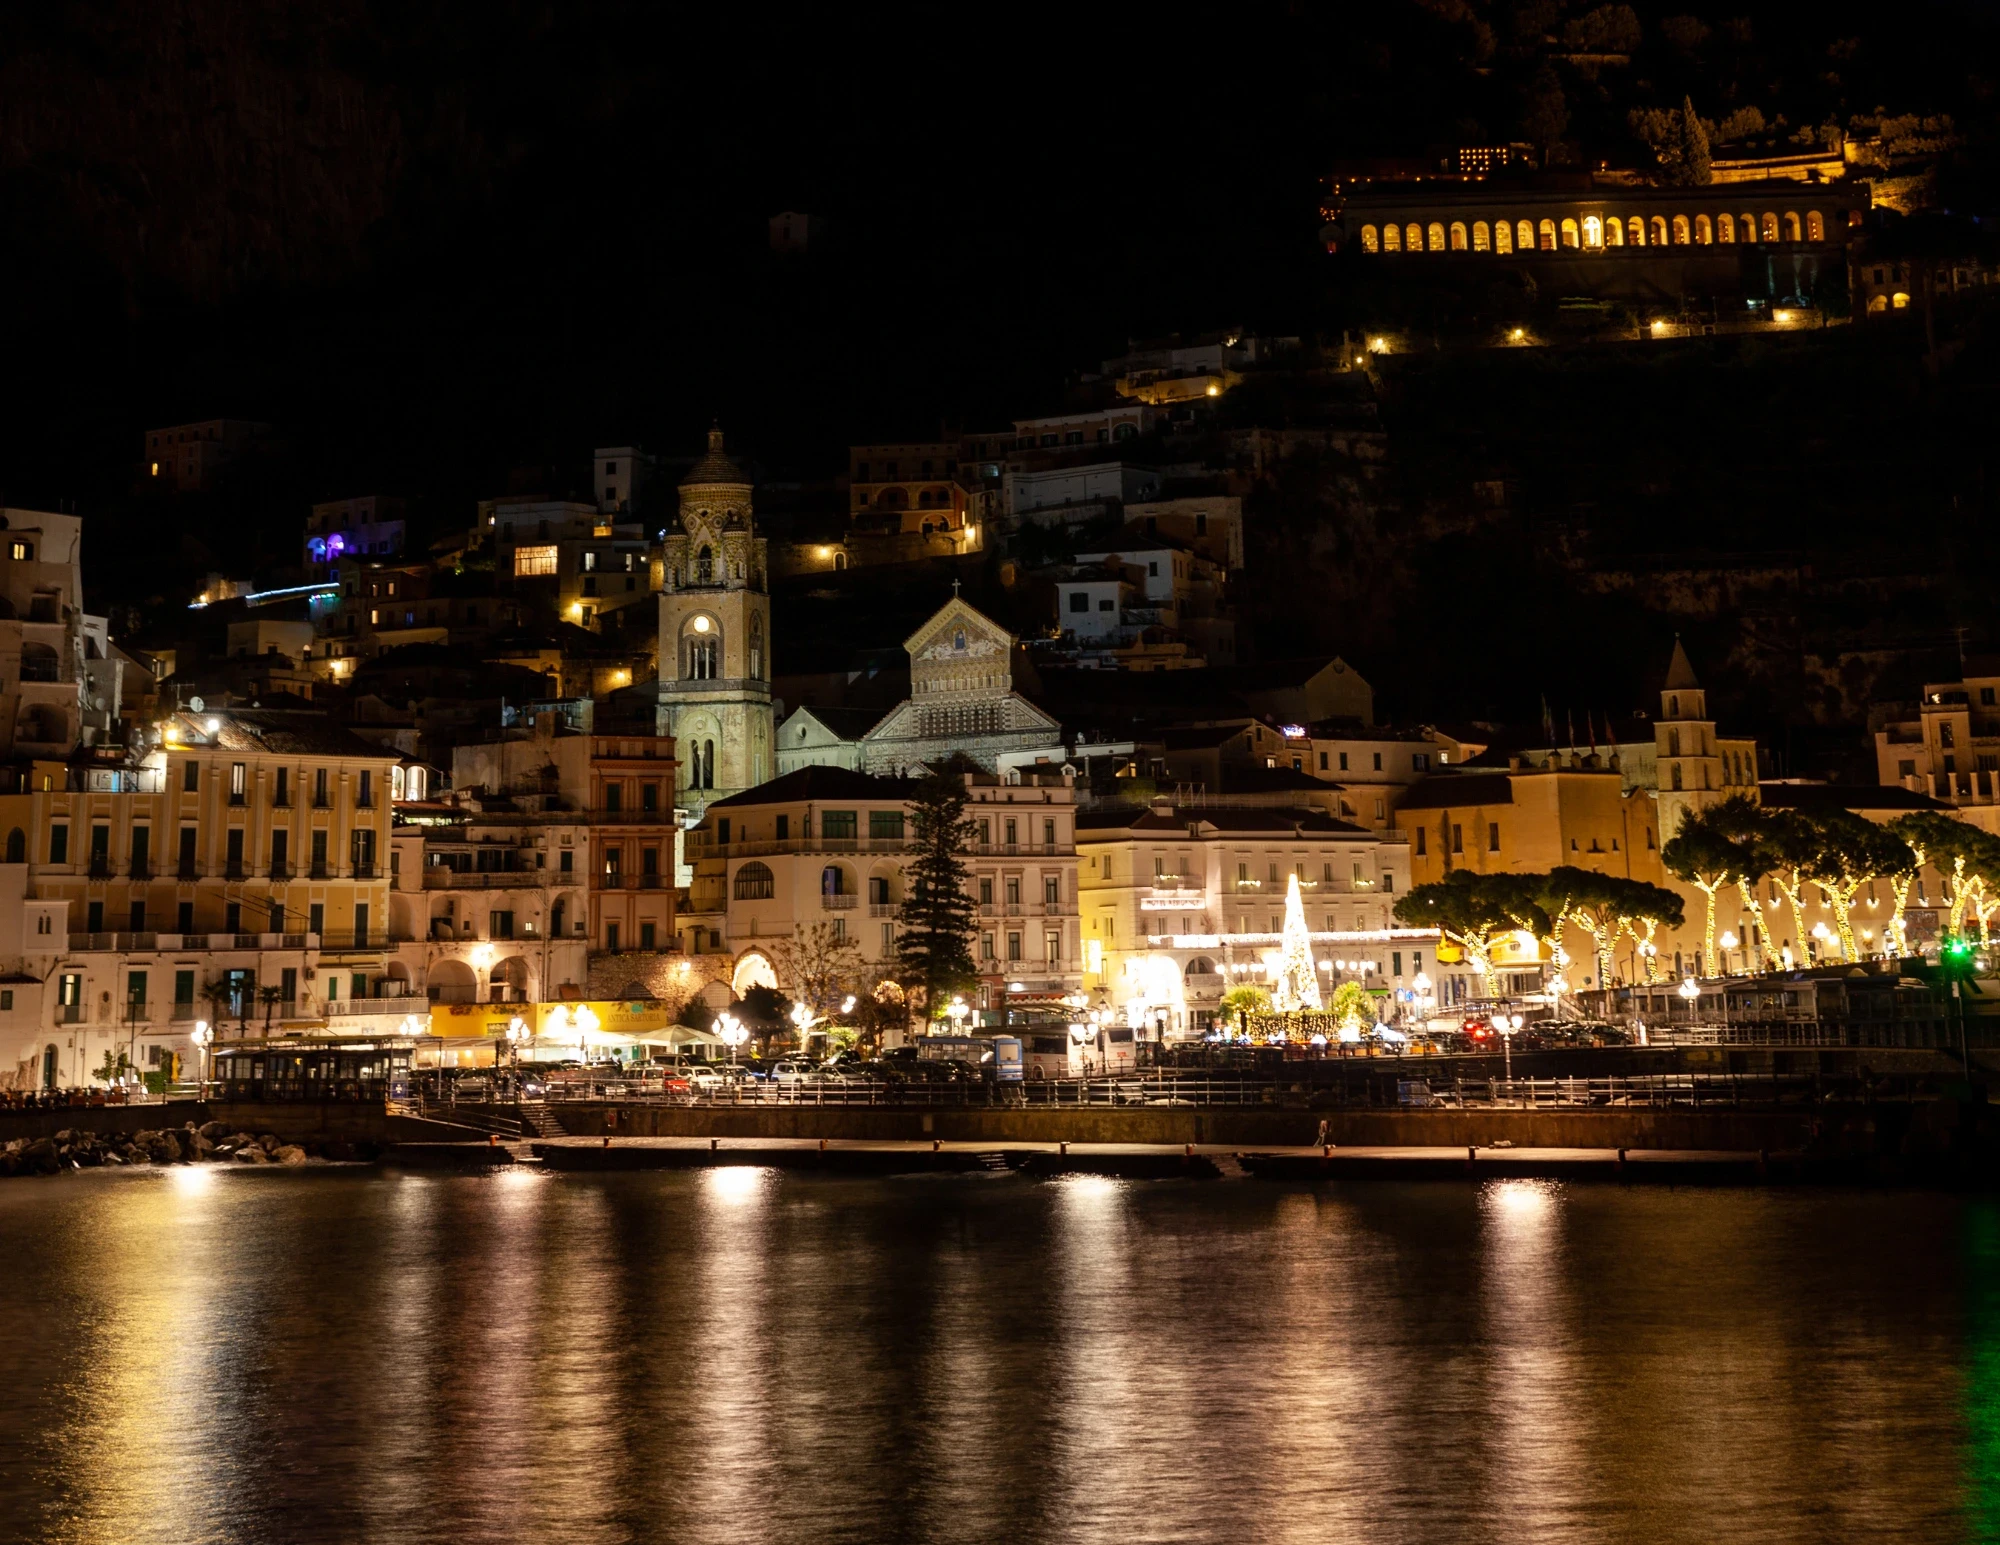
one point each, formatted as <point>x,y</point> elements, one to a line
<point>792,1073</point>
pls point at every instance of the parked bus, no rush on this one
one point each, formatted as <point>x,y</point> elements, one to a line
<point>1052,1052</point>
<point>997,1056</point>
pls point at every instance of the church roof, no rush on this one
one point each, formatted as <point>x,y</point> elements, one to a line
<point>715,467</point>
<point>819,783</point>
<point>1680,674</point>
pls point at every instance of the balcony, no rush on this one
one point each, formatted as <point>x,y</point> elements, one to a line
<point>135,1012</point>
<point>439,878</point>
<point>364,871</point>
<point>100,866</point>
<point>322,802</point>
<point>319,869</point>
<point>1058,909</point>
<point>90,943</point>
<point>140,870</point>
<point>364,939</point>
<point>346,1008</point>
<point>41,670</point>
<point>235,869</point>
<point>69,1013</point>
<point>884,908</point>
<point>282,871</point>
<point>187,869</point>
<point>838,903</point>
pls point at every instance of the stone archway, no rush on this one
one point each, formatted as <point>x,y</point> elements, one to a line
<point>753,969</point>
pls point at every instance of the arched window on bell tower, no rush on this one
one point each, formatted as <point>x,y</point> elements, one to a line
<point>756,646</point>
<point>704,567</point>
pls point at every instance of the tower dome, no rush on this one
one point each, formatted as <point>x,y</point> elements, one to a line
<point>715,469</point>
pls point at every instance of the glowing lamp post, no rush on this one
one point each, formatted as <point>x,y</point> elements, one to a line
<point>517,1032</point>
<point>803,1019</point>
<point>1728,942</point>
<point>1507,1024</point>
<point>202,1036</point>
<point>733,1032</point>
<point>957,1011</point>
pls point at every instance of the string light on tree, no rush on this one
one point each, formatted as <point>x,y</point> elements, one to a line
<point>1297,983</point>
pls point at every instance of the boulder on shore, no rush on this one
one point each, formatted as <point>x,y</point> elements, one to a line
<point>215,1131</point>
<point>290,1153</point>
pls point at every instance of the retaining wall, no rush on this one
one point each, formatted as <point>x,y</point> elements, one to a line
<point>1862,1128</point>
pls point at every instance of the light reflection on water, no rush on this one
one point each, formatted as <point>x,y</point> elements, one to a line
<point>737,1355</point>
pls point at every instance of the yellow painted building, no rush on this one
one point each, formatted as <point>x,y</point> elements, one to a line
<point>245,851</point>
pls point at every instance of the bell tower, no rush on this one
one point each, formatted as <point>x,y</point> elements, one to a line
<point>1689,763</point>
<point>715,636</point>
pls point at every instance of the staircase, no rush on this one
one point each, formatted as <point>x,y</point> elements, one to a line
<point>484,1118</point>
<point>540,1120</point>
<point>994,1163</point>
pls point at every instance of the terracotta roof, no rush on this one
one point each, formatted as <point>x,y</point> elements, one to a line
<point>1445,791</point>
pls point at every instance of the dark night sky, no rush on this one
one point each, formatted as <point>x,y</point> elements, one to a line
<point>436,241</point>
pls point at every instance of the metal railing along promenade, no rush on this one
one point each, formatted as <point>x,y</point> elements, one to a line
<point>1701,1091</point>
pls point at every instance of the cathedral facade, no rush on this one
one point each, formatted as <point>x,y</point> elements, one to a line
<point>715,636</point>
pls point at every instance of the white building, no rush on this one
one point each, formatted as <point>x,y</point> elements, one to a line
<point>826,845</point>
<point>1180,903</point>
<point>1034,495</point>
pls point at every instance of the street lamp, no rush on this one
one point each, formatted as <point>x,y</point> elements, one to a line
<point>202,1035</point>
<point>733,1032</point>
<point>1728,942</point>
<point>803,1019</point>
<point>1507,1024</point>
<point>956,1011</point>
<point>517,1032</point>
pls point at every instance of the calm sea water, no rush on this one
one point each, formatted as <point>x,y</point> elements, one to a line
<point>735,1355</point>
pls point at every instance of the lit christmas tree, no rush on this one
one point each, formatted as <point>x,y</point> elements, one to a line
<point>1296,985</point>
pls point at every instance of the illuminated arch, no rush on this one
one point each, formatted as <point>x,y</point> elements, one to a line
<point>1704,231</point>
<point>1768,226</point>
<point>1681,235</point>
<point>1482,236</point>
<point>1524,236</point>
<point>1458,241</point>
<point>1503,237</point>
<point>1370,242</point>
<point>1545,237</point>
<point>1815,225</point>
<point>1638,229</point>
<point>1570,237</point>
<point>753,969</point>
<point>1593,232</point>
<point>1725,228</point>
<point>1614,232</point>
<point>1656,232</point>
<point>1392,238</point>
<point>1413,237</point>
<point>1793,230</point>
<point>1437,236</point>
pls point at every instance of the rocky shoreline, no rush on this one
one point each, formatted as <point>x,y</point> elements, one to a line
<point>214,1142</point>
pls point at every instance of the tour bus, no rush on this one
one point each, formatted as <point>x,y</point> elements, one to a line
<point>997,1056</point>
<point>1053,1052</point>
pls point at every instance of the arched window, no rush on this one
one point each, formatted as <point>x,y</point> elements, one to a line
<point>1793,231</point>
<point>1614,232</point>
<point>1392,238</point>
<point>1681,233</point>
<point>1437,236</point>
<point>1524,237</point>
<point>1769,225</point>
<point>1593,232</point>
<point>1201,965</point>
<point>1637,228</point>
<point>1900,300</point>
<point>840,559</point>
<point>1677,775</point>
<point>1725,228</point>
<point>1878,303</point>
<point>754,882</point>
<point>1413,237</point>
<point>1704,231</point>
<point>556,919</point>
<point>1815,225</point>
<point>1458,243</point>
<point>1503,236</point>
<point>1369,241</point>
<point>704,567</point>
<point>17,846</point>
<point>1569,233</point>
<point>756,646</point>
<point>1746,227</point>
<point>708,764</point>
<point>1546,236</point>
<point>1656,231</point>
<point>1482,236</point>
<point>832,880</point>
<point>1674,710</point>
